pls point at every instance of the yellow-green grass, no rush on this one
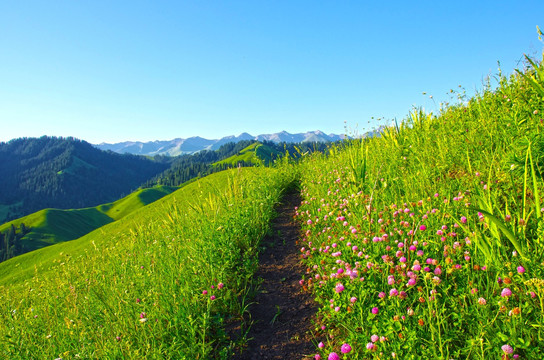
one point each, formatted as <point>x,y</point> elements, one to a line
<point>430,237</point>
<point>255,153</point>
<point>134,201</point>
<point>51,226</point>
<point>134,288</point>
<point>24,266</point>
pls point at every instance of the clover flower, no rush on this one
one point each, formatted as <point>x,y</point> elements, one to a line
<point>346,348</point>
<point>507,349</point>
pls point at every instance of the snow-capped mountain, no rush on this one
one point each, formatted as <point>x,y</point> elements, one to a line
<point>195,144</point>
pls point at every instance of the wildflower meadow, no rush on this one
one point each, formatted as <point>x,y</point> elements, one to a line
<point>425,242</point>
<point>428,242</point>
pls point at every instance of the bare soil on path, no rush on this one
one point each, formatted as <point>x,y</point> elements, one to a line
<point>282,313</point>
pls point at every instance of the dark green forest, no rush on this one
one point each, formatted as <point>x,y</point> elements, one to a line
<point>188,167</point>
<point>10,244</point>
<point>52,172</point>
<point>67,173</point>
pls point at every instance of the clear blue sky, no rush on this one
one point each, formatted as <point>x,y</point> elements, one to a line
<point>146,70</point>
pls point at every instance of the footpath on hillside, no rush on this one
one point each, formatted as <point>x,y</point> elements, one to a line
<point>282,313</point>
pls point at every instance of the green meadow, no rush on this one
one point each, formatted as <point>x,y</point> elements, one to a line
<point>137,287</point>
<point>51,226</point>
<point>255,153</point>
<point>426,242</point>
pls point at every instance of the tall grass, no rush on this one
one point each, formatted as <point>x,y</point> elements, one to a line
<point>426,243</point>
<point>163,285</point>
<point>423,243</point>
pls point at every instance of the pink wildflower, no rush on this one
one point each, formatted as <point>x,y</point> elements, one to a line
<point>346,348</point>
<point>507,349</point>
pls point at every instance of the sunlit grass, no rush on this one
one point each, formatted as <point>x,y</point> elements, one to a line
<point>51,226</point>
<point>426,243</point>
<point>161,282</point>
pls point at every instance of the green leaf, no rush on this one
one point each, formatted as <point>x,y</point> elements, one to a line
<point>505,230</point>
<point>535,187</point>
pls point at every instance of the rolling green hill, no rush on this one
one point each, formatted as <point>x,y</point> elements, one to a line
<point>154,284</point>
<point>423,243</point>
<point>51,226</point>
<point>64,173</point>
<point>253,154</point>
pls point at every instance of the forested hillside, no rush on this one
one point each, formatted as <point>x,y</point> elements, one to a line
<point>187,167</point>
<point>68,173</point>
<point>10,241</point>
<point>46,172</point>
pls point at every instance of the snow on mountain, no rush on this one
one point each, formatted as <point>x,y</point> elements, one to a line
<point>195,144</point>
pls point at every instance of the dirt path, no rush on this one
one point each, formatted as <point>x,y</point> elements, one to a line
<point>282,313</point>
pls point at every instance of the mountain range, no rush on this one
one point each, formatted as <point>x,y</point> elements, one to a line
<point>195,144</point>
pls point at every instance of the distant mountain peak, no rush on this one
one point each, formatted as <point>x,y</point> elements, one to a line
<point>179,146</point>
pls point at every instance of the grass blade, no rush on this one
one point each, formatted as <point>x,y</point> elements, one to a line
<point>505,230</point>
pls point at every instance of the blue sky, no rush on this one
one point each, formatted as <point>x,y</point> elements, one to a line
<point>147,70</point>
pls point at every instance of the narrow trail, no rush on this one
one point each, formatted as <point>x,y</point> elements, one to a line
<point>282,313</point>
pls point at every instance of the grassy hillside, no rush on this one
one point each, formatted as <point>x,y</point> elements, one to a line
<point>427,243</point>
<point>50,172</point>
<point>255,153</point>
<point>51,226</point>
<point>159,283</point>
<point>423,243</point>
<point>134,201</point>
